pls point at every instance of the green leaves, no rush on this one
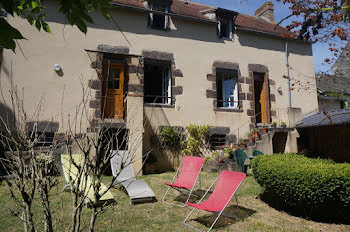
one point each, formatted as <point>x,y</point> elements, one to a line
<point>301,182</point>
<point>77,12</point>
<point>8,35</point>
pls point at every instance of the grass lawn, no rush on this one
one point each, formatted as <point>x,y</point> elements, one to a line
<point>255,214</point>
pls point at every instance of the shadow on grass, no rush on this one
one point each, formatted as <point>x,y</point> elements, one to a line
<point>195,196</point>
<point>324,214</point>
<point>235,211</point>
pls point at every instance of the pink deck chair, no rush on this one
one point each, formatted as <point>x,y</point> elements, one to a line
<point>189,172</point>
<point>227,184</point>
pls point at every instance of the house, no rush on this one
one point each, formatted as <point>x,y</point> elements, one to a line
<point>341,66</point>
<point>333,92</point>
<point>165,63</point>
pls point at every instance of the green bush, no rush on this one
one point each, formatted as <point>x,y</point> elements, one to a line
<point>316,187</point>
<point>170,138</point>
<point>197,135</point>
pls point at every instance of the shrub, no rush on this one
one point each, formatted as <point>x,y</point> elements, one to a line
<point>170,138</point>
<point>316,187</point>
<point>197,135</point>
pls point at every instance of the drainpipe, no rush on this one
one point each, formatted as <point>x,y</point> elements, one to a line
<point>287,66</point>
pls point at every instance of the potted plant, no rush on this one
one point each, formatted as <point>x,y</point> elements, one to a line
<point>251,137</point>
<point>256,133</point>
<point>274,124</point>
<point>228,152</point>
<point>264,129</point>
<point>234,147</point>
<point>283,124</point>
<point>242,143</point>
<point>214,155</point>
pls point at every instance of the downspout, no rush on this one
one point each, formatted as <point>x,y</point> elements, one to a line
<point>288,76</point>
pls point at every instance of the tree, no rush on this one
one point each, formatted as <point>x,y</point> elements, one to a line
<point>320,21</point>
<point>76,13</point>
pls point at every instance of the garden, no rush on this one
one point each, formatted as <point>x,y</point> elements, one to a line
<point>320,187</point>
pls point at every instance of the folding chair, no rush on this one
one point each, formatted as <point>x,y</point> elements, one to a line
<point>137,190</point>
<point>256,153</point>
<point>189,173</point>
<point>241,156</point>
<point>227,184</point>
<point>70,172</point>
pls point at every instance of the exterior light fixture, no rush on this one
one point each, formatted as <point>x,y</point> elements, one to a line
<point>279,89</point>
<point>58,69</point>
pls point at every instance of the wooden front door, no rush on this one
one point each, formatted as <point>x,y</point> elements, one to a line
<point>261,97</point>
<point>265,101</point>
<point>113,90</point>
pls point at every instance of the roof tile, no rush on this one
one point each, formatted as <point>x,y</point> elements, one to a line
<point>192,9</point>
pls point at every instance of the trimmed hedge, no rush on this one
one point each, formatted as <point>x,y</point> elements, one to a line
<point>316,187</point>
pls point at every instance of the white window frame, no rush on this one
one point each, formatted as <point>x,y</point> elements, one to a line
<point>166,86</point>
<point>234,104</point>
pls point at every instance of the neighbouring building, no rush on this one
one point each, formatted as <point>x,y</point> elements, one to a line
<point>325,135</point>
<point>165,63</point>
<point>333,92</point>
<point>341,66</point>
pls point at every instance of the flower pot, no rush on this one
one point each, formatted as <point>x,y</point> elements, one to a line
<point>274,126</point>
<point>220,160</point>
<point>227,155</point>
<point>251,139</point>
<point>243,145</point>
<point>264,130</point>
<point>283,126</point>
<point>256,134</point>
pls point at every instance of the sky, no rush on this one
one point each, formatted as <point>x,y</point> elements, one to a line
<point>320,50</point>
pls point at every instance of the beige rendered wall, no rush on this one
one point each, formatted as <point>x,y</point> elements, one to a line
<point>195,47</point>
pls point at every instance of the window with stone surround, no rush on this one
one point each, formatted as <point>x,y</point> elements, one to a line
<point>217,141</point>
<point>159,21</point>
<point>227,89</point>
<point>157,86</point>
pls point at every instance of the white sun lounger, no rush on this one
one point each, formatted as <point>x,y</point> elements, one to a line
<point>137,190</point>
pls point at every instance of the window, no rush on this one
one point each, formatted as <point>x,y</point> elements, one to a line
<point>157,85</point>
<point>43,139</point>
<point>159,21</point>
<point>225,28</point>
<point>217,141</point>
<point>226,87</point>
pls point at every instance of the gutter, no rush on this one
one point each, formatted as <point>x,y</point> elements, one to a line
<point>271,35</point>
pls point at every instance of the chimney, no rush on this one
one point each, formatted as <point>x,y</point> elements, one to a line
<point>266,11</point>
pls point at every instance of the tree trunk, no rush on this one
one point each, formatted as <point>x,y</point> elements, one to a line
<point>93,219</point>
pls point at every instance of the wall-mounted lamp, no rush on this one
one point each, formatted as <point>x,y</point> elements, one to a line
<point>58,69</point>
<point>279,89</point>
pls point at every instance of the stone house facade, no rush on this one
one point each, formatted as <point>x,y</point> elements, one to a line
<point>166,63</point>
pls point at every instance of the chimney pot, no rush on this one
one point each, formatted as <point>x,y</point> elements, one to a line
<point>266,11</point>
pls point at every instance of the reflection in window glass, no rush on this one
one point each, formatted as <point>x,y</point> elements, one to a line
<point>227,94</point>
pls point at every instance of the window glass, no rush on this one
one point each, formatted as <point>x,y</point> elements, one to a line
<point>113,79</point>
<point>158,21</point>
<point>157,86</point>
<point>225,27</point>
<point>227,93</point>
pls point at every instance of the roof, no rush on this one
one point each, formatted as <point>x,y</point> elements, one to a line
<point>195,11</point>
<point>327,98</point>
<point>330,83</point>
<point>342,57</point>
<point>330,118</point>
